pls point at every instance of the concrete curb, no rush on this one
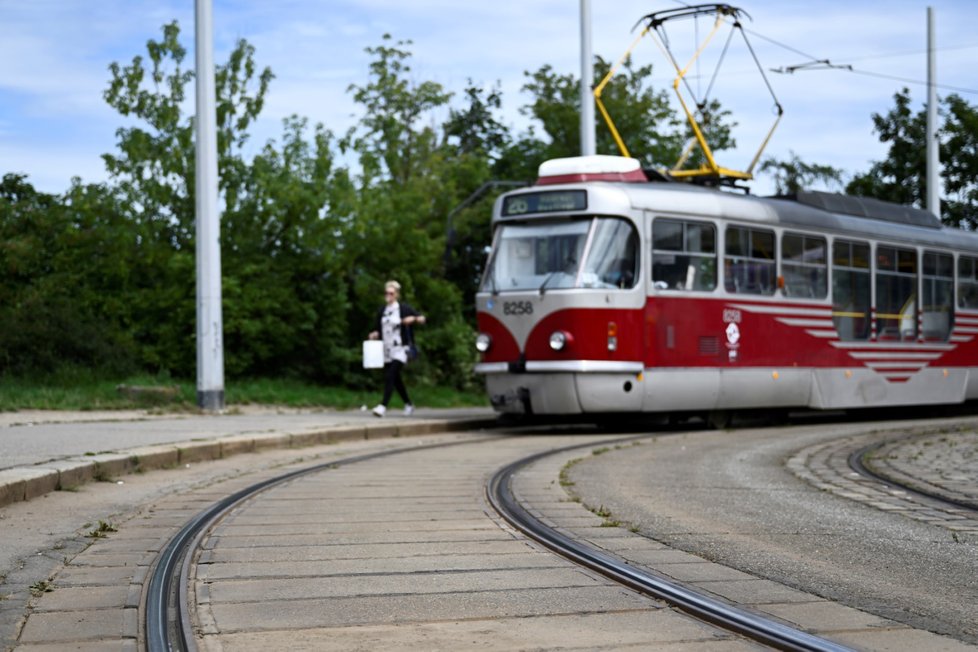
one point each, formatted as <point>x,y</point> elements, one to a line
<point>25,483</point>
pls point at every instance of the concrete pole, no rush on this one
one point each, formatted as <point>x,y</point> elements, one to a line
<point>933,152</point>
<point>587,79</point>
<point>210,328</point>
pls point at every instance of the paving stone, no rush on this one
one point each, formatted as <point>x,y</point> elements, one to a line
<point>80,625</point>
<point>88,597</point>
<point>388,609</point>
<point>635,630</point>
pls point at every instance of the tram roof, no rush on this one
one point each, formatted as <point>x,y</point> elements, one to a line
<point>615,184</point>
<point>815,210</point>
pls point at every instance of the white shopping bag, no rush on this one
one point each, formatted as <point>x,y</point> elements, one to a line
<point>373,354</point>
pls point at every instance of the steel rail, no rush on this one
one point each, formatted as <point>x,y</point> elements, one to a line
<point>500,495</point>
<point>167,623</point>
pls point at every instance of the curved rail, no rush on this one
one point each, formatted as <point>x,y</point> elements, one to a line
<point>167,624</point>
<point>856,464</point>
<point>500,495</point>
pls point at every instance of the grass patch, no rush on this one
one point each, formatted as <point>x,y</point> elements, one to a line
<point>41,586</point>
<point>87,390</point>
<point>565,480</point>
<point>101,530</point>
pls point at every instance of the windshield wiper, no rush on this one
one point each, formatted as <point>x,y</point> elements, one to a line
<point>547,280</point>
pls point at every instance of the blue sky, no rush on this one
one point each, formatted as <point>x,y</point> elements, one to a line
<point>54,58</point>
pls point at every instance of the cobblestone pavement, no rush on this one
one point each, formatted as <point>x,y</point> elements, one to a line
<point>940,462</point>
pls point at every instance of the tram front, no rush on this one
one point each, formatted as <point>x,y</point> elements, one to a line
<point>561,304</point>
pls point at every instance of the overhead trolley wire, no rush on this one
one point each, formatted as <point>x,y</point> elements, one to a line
<point>827,64</point>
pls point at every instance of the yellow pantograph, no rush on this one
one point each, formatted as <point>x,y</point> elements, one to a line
<point>710,169</point>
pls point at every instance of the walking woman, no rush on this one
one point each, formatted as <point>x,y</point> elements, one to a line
<point>394,326</point>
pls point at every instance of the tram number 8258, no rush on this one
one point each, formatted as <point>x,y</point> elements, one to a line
<point>517,308</point>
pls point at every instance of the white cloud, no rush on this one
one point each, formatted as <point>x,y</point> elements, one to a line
<point>54,123</point>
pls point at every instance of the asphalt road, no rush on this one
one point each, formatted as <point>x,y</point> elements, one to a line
<point>728,497</point>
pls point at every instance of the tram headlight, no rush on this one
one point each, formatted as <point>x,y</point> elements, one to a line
<point>559,340</point>
<point>482,342</point>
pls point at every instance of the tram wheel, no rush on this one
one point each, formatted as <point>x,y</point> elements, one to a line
<point>719,419</point>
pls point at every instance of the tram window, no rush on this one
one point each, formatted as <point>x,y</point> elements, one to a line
<point>612,258</point>
<point>804,266</point>
<point>527,256</point>
<point>937,305</point>
<point>968,282</point>
<point>684,255</point>
<point>577,253</point>
<point>749,264</point>
<point>896,298</point>
<point>850,289</point>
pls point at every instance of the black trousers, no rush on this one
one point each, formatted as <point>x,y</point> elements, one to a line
<point>392,381</point>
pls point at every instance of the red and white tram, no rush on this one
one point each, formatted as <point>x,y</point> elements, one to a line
<point>606,292</point>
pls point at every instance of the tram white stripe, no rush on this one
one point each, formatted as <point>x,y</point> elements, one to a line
<point>886,346</point>
<point>811,323</point>
<point>961,338</point>
<point>965,329</point>
<point>883,355</point>
<point>823,334</point>
<point>585,366</point>
<point>783,310</point>
<point>896,365</point>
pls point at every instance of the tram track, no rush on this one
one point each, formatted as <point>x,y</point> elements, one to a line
<point>168,624</point>
<point>859,462</point>
<point>729,617</point>
<point>167,621</point>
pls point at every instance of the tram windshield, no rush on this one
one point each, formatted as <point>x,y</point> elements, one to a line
<point>589,253</point>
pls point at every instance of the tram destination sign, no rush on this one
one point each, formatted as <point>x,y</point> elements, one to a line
<point>551,201</point>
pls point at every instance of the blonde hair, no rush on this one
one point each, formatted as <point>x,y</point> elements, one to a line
<point>393,285</point>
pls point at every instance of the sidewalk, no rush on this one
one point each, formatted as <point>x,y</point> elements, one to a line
<point>42,451</point>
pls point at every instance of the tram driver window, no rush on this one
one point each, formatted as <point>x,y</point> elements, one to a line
<point>612,256</point>
<point>896,297</point>
<point>749,264</point>
<point>684,255</point>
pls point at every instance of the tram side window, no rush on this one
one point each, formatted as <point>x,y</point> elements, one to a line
<point>968,282</point>
<point>850,289</point>
<point>896,297</point>
<point>684,255</point>
<point>804,266</point>
<point>749,264</point>
<point>937,305</point>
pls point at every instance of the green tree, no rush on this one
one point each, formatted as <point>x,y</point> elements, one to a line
<point>285,293</point>
<point>902,176</point>
<point>475,143</point>
<point>64,282</point>
<point>959,156</point>
<point>642,115</point>
<point>404,192</point>
<point>389,139</point>
<point>794,174</point>
<point>272,263</point>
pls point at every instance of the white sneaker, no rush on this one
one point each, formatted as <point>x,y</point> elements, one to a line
<point>408,410</point>
<point>379,411</point>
